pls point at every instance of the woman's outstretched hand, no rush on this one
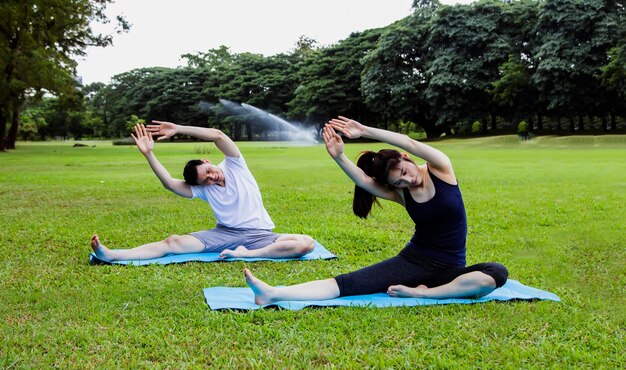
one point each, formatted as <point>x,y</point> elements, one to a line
<point>349,127</point>
<point>334,144</point>
<point>143,139</point>
<point>163,129</point>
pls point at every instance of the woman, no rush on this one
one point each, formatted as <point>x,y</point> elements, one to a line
<point>432,265</point>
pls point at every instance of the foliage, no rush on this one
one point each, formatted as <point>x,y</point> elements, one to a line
<point>38,41</point>
<point>443,68</point>
<point>133,121</point>
<point>330,80</point>
<point>394,75</point>
<point>574,38</point>
<point>476,127</point>
<point>522,128</point>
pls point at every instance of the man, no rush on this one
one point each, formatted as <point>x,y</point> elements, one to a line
<point>244,228</point>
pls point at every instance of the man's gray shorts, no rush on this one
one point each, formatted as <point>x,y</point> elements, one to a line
<point>224,237</point>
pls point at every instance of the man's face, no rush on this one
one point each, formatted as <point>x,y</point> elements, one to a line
<point>210,174</point>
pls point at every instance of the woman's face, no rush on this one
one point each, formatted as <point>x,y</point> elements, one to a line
<point>404,175</point>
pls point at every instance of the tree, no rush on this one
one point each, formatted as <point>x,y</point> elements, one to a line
<point>468,49</point>
<point>394,75</point>
<point>38,41</point>
<point>512,91</point>
<point>513,94</point>
<point>613,77</point>
<point>211,59</point>
<point>330,80</point>
<point>172,94</point>
<point>613,73</point>
<point>573,42</point>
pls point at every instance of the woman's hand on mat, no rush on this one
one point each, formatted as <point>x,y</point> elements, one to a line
<point>143,139</point>
<point>348,127</point>
<point>334,144</point>
<point>164,130</point>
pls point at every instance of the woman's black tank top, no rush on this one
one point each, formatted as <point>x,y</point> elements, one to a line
<point>440,225</point>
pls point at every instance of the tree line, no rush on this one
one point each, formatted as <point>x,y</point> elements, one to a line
<point>550,66</point>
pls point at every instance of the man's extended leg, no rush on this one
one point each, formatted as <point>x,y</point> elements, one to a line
<point>285,246</point>
<point>175,244</point>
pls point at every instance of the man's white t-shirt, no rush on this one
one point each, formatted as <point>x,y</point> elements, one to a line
<point>239,203</point>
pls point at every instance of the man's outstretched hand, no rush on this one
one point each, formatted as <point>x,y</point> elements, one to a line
<point>143,139</point>
<point>164,130</point>
<point>334,144</point>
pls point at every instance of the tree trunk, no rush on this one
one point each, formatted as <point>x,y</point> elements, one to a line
<point>581,123</point>
<point>249,131</point>
<point>572,124</point>
<point>3,128</point>
<point>12,136</point>
<point>237,131</point>
<point>431,129</point>
<point>613,124</point>
<point>539,122</point>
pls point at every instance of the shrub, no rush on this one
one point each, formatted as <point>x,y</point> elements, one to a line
<point>476,128</point>
<point>124,141</point>
<point>522,128</point>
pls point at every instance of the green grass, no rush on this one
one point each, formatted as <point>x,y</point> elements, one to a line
<point>551,210</point>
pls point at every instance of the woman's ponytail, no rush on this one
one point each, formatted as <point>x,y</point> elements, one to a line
<point>363,200</point>
<point>375,165</point>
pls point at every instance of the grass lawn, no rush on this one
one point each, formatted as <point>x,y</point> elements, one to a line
<point>552,210</point>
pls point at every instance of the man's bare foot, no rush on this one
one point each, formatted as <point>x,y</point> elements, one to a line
<point>240,251</point>
<point>100,250</point>
<point>420,291</point>
<point>262,291</point>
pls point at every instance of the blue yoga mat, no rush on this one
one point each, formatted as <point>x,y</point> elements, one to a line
<point>220,298</point>
<point>318,253</point>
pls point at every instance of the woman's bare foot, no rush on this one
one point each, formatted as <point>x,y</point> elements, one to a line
<point>420,291</point>
<point>240,251</point>
<point>100,250</point>
<point>262,291</point>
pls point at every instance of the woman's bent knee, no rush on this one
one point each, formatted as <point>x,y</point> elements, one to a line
<point>498,272</point>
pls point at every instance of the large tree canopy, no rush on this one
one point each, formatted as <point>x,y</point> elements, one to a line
<point>39,40</point>
<point>480,68</point>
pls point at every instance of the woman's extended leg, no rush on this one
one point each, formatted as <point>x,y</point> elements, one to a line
<point>472,281</point>
<point>372,279</point>
<point>176,244</point>
<point>313,290</point>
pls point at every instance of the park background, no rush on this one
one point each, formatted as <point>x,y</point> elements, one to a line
<point>485,68</point>
<point>472,79</point>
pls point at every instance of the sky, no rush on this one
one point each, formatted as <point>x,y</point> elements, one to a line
<point>162,30</point>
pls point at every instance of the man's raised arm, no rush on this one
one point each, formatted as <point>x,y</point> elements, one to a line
<point>166,130</point>
<point>144,142</point>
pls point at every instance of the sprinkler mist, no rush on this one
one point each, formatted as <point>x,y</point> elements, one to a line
<point>286,130</point>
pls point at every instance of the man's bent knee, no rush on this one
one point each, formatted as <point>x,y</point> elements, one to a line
<point>306,244</point>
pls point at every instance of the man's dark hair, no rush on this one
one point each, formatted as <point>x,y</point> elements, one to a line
<point>190,173</point>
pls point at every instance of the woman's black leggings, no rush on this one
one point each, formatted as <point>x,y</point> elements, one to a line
<point>400,271</point>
